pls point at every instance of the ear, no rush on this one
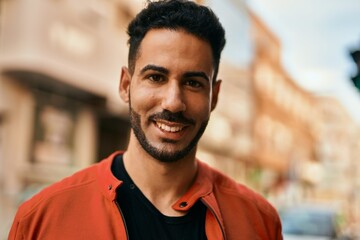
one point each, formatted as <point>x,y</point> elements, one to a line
<point>215,94</point>
<point>124,85</point>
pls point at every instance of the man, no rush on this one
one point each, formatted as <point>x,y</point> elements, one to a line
<point>157,189</point>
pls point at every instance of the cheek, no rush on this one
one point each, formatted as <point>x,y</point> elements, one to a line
<point>142,100</point>
<point>199,107</point>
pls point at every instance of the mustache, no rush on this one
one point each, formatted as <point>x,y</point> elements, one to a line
<point>177,117</point>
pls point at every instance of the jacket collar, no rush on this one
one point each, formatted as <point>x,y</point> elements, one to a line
<point>201,189</point>
<point>108,183</point>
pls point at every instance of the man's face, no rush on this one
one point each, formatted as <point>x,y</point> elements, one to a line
<point>170,93</point>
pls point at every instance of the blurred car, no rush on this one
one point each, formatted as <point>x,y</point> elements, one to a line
<point>308,222</point>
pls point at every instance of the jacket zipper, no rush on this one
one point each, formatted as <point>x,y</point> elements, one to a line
<point>123,218</point>
<point>216,217</point>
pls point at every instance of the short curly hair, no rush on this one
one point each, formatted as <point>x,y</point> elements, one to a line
<point>177,14</point>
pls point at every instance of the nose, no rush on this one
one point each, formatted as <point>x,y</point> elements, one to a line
<point>172,98</point>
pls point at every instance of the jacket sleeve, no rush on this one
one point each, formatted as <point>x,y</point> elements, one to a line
<point>279,235</point>
<point>14,231</point>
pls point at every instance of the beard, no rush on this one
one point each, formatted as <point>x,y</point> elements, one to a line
<point>163,154</point>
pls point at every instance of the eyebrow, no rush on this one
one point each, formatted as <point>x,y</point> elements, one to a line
<point>197,74</point>
<point>154,68</point>
<point>166,71</point>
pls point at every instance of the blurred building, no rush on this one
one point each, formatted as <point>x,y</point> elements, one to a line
<point>338,152</point>
<point>59,107</point>
<point>286,122</point>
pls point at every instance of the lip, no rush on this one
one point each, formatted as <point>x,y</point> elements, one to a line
<point>170,130</point>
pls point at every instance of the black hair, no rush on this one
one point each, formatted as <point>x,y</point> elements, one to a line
<point>175,15</point>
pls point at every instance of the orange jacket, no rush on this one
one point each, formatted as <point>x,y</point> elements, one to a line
<point>83,206</point>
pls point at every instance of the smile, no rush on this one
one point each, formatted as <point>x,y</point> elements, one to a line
<point>168,128</point>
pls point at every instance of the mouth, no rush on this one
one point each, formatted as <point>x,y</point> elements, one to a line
<point>169,127</point>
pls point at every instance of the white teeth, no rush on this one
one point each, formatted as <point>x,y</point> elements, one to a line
<point>167,128</point>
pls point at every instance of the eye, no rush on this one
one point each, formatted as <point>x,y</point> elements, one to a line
<point>193,83</point>
<point>155,77</point>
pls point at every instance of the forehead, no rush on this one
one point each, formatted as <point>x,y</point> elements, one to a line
<point>175,48</point>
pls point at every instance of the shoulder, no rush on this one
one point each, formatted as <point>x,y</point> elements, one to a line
<point>89,182</point>
<point>95,181</point>
<point>48,205</point>
<point>77,198</point>
<point>74,184</point>
<point>243,211</point>
<point>242,197</point>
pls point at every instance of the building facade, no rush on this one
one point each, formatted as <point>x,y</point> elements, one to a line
<point>286,122</point>
<point>338,153</point>
<point>60,111</point>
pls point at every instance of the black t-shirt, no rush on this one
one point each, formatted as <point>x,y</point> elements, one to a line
<point>144,221</point>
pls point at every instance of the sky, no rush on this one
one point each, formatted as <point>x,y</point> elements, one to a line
<point>316,37</point>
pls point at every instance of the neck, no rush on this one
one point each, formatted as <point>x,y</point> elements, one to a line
<point>162,183</point>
